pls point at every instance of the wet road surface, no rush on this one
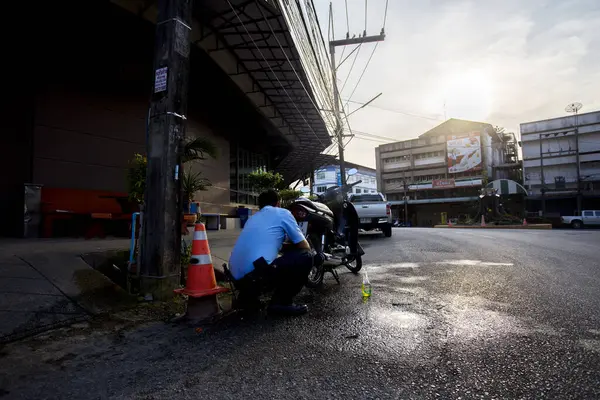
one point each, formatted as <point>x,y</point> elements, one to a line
<point>454,314</point>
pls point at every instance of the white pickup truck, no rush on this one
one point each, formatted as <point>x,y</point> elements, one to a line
<point>587,218</point>
<point>374,212</point>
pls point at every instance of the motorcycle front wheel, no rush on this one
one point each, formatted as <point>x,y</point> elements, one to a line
<point>355,264</point>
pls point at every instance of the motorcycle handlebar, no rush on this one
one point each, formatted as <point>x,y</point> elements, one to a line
<point>347,187</point>
<point>343,188</point>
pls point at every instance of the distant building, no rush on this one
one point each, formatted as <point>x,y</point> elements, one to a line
<point>442,171</point>
<point>557,183</point>
<point>328,176</point>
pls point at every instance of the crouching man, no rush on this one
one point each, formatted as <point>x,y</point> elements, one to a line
<point>254,262</point>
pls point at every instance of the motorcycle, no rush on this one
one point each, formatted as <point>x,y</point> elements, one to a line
<point>330,226</point>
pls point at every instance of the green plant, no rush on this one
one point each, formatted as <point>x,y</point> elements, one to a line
<point>289,195</point>
<point>198,148</point>
<point>193,182</point>
<point>194,149</point>
<point>260,181</point>
<point>136,178</point>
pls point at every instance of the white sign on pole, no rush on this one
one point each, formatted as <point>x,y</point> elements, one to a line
<point>160,80</point>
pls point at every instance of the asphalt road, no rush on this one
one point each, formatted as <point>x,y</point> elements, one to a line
<point>486,314</point>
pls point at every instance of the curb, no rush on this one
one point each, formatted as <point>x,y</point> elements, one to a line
<point>532,226</point>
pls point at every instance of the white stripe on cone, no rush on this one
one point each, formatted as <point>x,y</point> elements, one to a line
<point>200,259</point>
<point>200,235</point>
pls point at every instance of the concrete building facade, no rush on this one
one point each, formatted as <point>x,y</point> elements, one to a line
<point>328,176</point>
<point>443,169</point>
<point>561,163</point>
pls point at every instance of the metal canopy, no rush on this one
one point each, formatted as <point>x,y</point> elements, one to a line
<point>257,34</point>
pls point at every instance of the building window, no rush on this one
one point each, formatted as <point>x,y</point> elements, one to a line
<point>242,163</point>
<point>321,189</point>
<point>358,191</point>
<point>372,191</point>
<point>320,176</point>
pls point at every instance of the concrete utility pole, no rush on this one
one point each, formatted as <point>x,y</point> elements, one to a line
<point>405,202</point>
<point>161,235</point>
<point>339,130</point>
<point>543,181</point>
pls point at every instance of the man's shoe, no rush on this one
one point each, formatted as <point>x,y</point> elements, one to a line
<point>289,309</point>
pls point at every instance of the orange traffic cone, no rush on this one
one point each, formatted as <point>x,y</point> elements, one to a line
<point>201,279</point>
<point>524,221</point>
<point>201,284</point>
<point>482,220</point>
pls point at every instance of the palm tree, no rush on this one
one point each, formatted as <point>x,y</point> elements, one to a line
<point>198,149</point>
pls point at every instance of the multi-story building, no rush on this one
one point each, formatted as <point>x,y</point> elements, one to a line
<point>443,169</point>
<point>561,163</point>
<point>328,176</point>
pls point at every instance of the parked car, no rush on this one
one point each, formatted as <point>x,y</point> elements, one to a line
<point>374,212</point>
<point>587,218</point>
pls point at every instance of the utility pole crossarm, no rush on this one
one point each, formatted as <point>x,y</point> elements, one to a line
<point>358,40</point>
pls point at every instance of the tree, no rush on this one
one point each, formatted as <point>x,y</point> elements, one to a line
<point>262,180</point>
<point>289,195</point>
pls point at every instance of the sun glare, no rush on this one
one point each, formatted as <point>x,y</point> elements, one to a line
<point>468,95</point>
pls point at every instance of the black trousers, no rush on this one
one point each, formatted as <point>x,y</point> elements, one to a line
<point>285,277</point>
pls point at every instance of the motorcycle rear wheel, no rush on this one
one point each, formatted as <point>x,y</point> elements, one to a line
<point>355,265</point>
<point>316,274</point>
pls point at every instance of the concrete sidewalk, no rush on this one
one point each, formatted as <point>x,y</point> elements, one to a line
<point>45,283</point>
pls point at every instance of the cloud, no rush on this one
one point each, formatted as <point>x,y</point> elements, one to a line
<point>532,57</point>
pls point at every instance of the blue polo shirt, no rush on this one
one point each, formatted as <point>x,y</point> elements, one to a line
<point>263,236</point>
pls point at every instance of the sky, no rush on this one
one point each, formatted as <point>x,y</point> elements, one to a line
<point>498,61</point>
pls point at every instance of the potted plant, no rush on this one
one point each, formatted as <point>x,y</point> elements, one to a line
<point>191,183</point>
<point>194,149</point>
<point>136,178</point>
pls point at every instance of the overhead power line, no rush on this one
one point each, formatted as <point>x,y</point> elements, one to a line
<point>385,15</point>
<point>389,139</point>
<point>370,139</point>
<point>363,72</point>
<point>351,67</point>
<point>395,111</point>
<point>365,33</point>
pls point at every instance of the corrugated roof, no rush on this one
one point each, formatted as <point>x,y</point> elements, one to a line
<point>257,34</point>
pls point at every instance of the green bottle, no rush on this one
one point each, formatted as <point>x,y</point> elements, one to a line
<point>366,286</point>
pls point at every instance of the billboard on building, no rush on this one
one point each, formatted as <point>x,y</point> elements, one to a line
<point>464,153</point>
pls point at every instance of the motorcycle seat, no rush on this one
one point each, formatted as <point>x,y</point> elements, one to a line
<point>315,206</point>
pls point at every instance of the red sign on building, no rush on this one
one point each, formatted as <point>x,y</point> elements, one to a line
<point>442,183</point>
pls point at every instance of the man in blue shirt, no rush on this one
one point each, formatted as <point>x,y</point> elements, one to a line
<point>254,257</point>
